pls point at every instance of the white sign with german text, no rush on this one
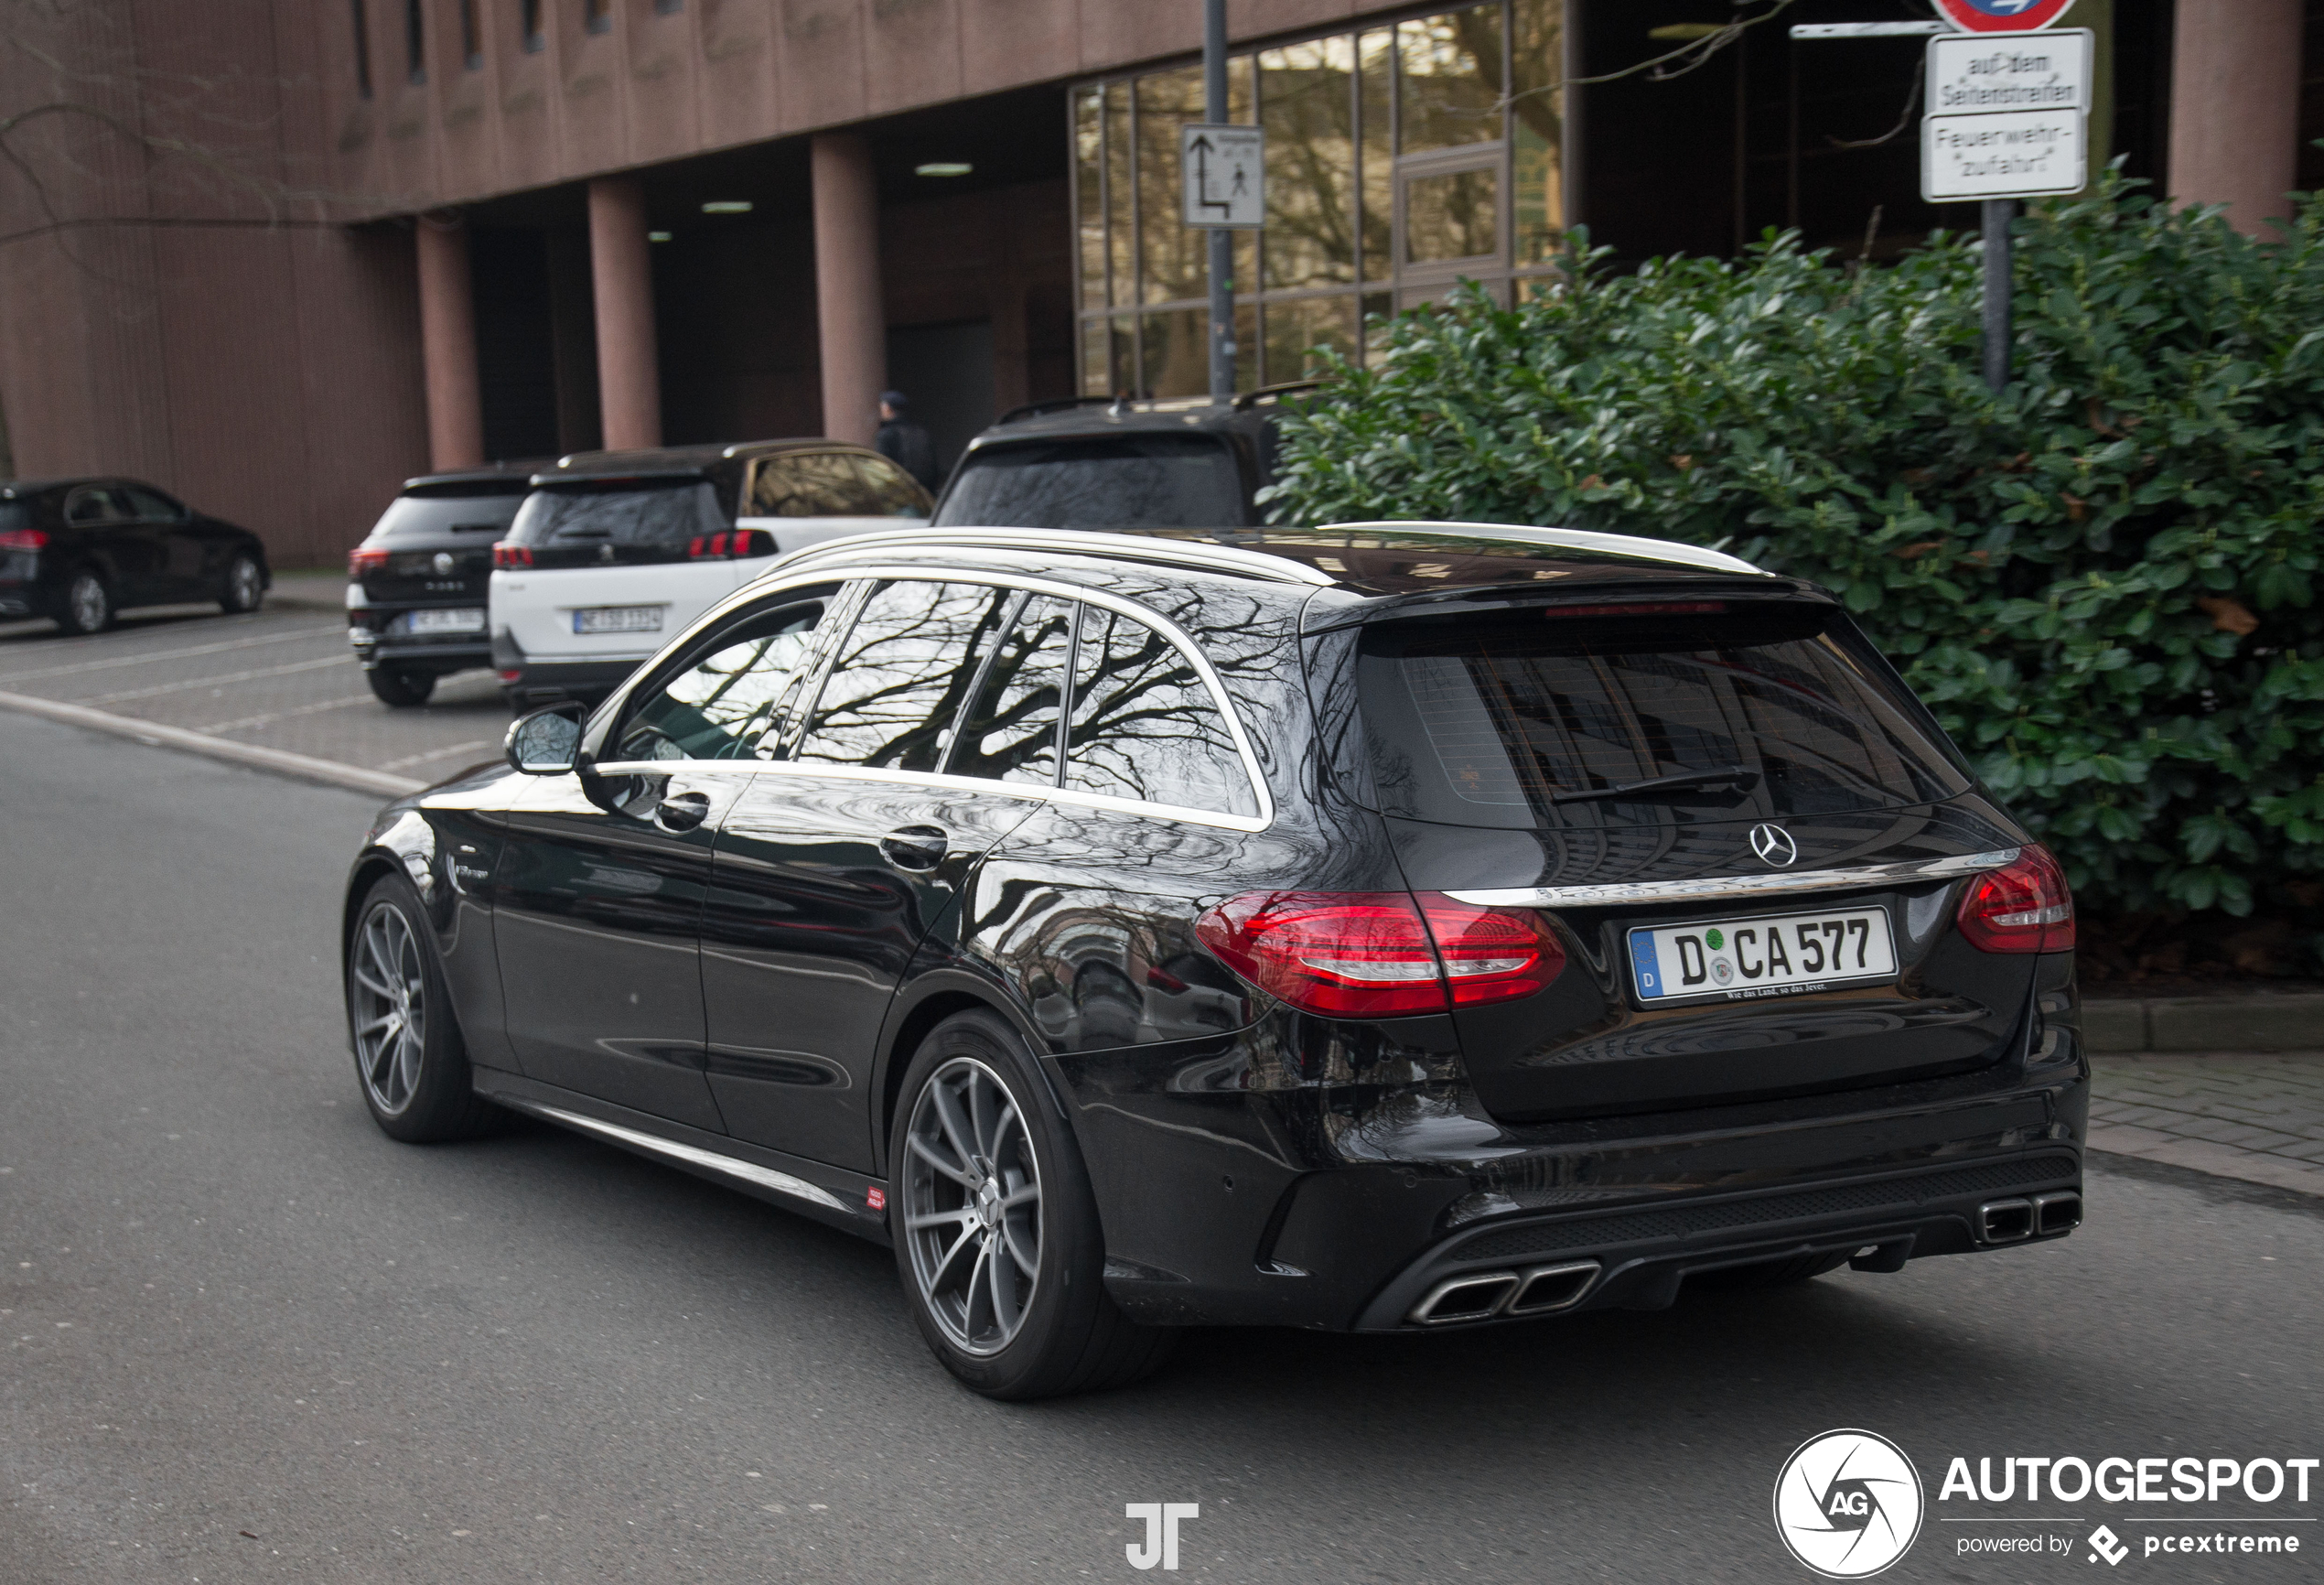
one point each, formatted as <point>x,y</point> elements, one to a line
<point>1982,73</point>
<point>2021,153</point>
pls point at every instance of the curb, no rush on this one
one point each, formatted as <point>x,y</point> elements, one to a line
<point>2290,1021</point>
<point>306,767</point>
<point>2203,1156</point>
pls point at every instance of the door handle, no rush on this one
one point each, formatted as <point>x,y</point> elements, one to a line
<point>914,847</point>
<point>684,811</point>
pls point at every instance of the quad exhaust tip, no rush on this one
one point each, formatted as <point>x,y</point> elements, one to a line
<point>2058,1213</point>
<point>2006,1221</point>
<point>1482,1295</point>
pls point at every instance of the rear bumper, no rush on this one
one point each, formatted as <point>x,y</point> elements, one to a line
<point>1343,1208</point>
<point>531,683</point>
<point>439,653</point>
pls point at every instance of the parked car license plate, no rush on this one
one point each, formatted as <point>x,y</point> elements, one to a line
<point>463,620</point>
<point>1739,959</point>
<point>617,620</point>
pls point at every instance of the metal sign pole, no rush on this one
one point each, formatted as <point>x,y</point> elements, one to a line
<point>1998,213</point>
<point>1214,109</point>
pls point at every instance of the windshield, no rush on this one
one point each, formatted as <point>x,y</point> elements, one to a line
<point>662,516</point>
<point>1517,721</point>
<point>1115,481</point>
<point>418,516</point>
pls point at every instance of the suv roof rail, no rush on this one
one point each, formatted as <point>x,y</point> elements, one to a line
<point>1250,399</point>
<point>1054,404</point>
<point>1628,545</point>
<point>1197,553</point>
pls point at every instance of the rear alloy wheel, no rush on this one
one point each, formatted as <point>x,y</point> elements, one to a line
<point>245,587</point>
<point>996,1232</point>
<point>408,1053</point>
<point>403,689</point>
<point>87,606</point>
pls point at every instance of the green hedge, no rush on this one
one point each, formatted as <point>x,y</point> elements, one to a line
<point>2104,580</point>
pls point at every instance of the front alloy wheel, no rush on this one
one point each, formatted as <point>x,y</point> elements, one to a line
<point>390,998</point>
<point>245,587</point>
<point>971,1207</point>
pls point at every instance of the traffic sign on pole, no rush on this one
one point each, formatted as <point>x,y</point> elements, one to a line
<point>2001,16</point>
<point>1224,175</point>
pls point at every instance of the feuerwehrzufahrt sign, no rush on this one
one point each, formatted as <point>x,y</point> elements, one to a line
<point>2008,116</point>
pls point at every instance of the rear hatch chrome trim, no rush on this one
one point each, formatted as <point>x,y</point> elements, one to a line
<point>1617,894</point>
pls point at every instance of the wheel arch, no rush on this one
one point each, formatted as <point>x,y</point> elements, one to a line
<point>919,1009</point>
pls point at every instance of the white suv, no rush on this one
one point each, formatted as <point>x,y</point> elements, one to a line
<point>615,551</point>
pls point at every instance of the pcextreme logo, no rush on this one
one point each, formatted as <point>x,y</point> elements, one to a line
<point>1849,1504</point>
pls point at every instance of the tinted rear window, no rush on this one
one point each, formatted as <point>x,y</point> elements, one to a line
<point>1501,723</point>
<point>1125,482</point>
<point>429,516</point>
<point>663,516</point>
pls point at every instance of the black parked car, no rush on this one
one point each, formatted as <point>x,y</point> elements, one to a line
<point>80,551</point>
<point>1095,463</point>
<point>1385,928</point>
<point>418,585</point>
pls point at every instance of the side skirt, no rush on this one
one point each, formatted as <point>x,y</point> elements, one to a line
<point>829,1194</point>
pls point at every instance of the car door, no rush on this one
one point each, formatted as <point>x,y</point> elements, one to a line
<point>834,865</point>
<point>129,552</point>
<point>599,902</point>
<point>187,549</point>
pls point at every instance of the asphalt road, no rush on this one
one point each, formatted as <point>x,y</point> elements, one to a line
<point>249,1338</point>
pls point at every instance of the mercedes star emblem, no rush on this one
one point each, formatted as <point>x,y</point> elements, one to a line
<point>1774,844</point>
<point>445,563</point>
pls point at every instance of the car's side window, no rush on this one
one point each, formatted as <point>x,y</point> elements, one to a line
<point>804,484</point>
<point>1143,723</point>
<point>900,677</point>
<point>885,489</point>
<point>732,701</point>
<point>1010,733</point>
<point>92,506</point>
<point>150,505</point>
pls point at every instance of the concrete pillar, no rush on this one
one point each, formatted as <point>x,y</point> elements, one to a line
<point>2235,108</point>
<point>849,317</point>
<point>447,345</point>
<point>621,276</point>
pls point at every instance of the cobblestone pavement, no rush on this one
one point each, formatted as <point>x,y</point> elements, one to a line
<point>281,678</point>
<point>2257,1118</point>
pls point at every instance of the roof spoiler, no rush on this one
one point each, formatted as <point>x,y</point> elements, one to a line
<point>1634,545</point>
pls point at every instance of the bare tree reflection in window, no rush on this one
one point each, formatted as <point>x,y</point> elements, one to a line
<point>730,703</point>
<point>902,675</point>
<point>1144,726</point>
<point>1010,734</point>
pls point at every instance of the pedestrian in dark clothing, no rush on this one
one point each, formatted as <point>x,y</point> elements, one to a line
<point>905,442</point>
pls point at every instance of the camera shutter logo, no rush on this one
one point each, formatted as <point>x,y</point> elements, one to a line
<point>1849,1504</point>
<point>1774,844</point>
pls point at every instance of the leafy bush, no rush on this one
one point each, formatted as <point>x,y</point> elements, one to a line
<point>2103,579</point>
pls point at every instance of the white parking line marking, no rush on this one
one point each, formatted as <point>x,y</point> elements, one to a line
<point>139,660</point>
<point>218,681</point>
<point>273,716</point>
<point>410,759</point>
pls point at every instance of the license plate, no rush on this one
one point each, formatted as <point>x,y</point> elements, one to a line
<point>1742,959</point>
<point>466,619</point>
<point>619,619</point>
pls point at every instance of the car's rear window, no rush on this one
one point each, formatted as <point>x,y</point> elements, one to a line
<point>662,516</point>
<point>1508,721</point>
<point>1114,482</point>
<point>429,516</point>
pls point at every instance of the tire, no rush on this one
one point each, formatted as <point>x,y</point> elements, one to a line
<point>245,587</point>
<point>1068,1336</point>
<point>86,606</point>
<point>1767,1274</point>
<point>403,689</point>
<point>416,1084</point>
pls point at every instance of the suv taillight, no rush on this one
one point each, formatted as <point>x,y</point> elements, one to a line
<point>2024,906</point>
<point>735,546</point>
<point>365,558</point>
<point>1371,954</point>
<point>506,556</point>
<point>24,539</point>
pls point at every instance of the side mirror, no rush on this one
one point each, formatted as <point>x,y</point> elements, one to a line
<point>545,743</point>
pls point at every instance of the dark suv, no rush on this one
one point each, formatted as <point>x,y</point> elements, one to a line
<point>418,585</point>
<point>80,551</point>
<point>1387,928</point>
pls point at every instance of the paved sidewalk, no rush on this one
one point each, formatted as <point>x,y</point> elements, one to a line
<point>2259,1117</point>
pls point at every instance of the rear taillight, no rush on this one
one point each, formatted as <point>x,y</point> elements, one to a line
<point>1370,954</point>
<point>2023,907</point>
<point>734,545</point>
<point>365,558</point>
<point>24,539</point>
<point>508,557</point>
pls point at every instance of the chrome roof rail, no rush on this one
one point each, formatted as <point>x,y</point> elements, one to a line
<point>1196,554</point>
<point>1666,550</point>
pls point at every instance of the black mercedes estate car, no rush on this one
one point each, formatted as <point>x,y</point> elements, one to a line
<point>419,584</point>
<point>1388,927</point>
<point>80,551</point>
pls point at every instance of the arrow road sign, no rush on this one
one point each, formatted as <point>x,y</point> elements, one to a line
<point>1222,174</point>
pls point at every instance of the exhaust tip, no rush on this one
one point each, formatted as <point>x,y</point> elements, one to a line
<point>2059,1212</point>
<point>2006,1221</point>
<point>1474,1297</point>
<point>1546,1289</point>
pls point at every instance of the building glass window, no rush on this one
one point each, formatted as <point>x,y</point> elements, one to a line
<point>471,37</point>
<point>535,40</point>
<point>362,48</point>
<point>1400,161</point>
<point>596,16</point>
<point>415,44</point>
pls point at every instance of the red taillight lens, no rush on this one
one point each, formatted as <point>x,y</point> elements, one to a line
<point>2023,907</point>
<point>733,546</point>
<point>1378,953</point>
<point>506,556</point>
<point>24,539</point>
<point>365,558</point>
